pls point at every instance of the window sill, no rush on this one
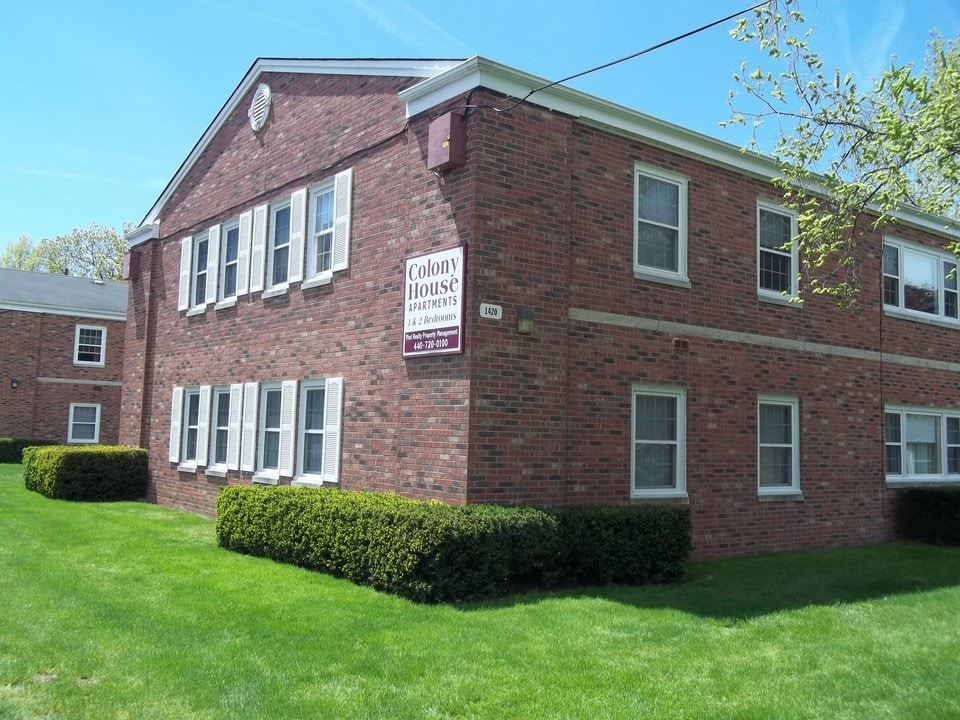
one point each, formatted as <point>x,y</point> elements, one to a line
<point>266,479</point>
<point>780,496</point>
<point>198,310</point>
<point>88,364</point>
<point>786,300</point>
<point>922,482</point>
<point>673,498</point>
<point>275,292</point>
<point>216,471</point>
<point>675,281</point>
<point>305,481</point>
<point>187,468</point>
<point>225,304</point>
<point>317,281</point>
<point>921,318</point>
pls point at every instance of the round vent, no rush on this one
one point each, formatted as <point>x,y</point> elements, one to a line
<point>259,107</point>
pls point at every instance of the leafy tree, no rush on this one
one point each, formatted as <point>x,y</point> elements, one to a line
<point>22,254</point>
<point>849,158</point>
<point>94,252</point>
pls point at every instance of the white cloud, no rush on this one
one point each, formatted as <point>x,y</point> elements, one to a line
<point>412,27</point>
<point>866,50</point>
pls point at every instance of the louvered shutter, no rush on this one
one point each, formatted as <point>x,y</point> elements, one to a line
<point>288,419</point>
<point>258,250</point>
<point>243,253</point>
<point>342,191</point>
<point>186,262</point>
<point>176,417</point>
<point>298,222</point>
<point>248,443</point>
<point>234,426</point>
<point>213,263</point>
<point>332,419</point>
<point>203,426</point>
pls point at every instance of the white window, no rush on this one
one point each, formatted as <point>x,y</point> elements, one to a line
<point>199,263</point>
<point>225,427</point>
<point>778,445</point>
<point>201,246</point>
<point>278,252</point>
<point>659,441</point>
<point>90,345</point>
<point>318,436</point>
<point>920,282</point>
<point>229,260</point>
<point>276,430</point>
<point>84,426</point>
<point>922,444</point>
<point>776,253</point>
<point>328,235</point>
<point>189,422</point>
<point>660,231</point>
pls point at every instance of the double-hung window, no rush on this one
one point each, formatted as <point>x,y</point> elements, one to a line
<point>776,253</point>
<point>659,441</point>
<point>778,445</point>
<point>229,260</point>
<point>920,282</point>
<point>922,444</point>
<point>90,343</point>
<point>660,230</point>
<point>278,254</point>
<point>84,425</point>
<point>328,229</point>
<point>189,423</point>
<point>220,427</point>
<point>201,247</point>
<point>318,434</point>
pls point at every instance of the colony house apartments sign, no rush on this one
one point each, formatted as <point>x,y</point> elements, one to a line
<point>433,304</point>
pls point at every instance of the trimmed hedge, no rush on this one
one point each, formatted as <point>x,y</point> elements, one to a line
<point>930,515</point>
<point>433,552</point>
<point>11,449</point>
<point>86,472</point>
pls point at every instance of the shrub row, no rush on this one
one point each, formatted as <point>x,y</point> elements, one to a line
<point>86,472</point>
<point>930,515</point>
<point>433,552</point>
<point>11,449</point>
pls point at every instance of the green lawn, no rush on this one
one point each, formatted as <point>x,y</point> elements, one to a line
<point>127,610</point>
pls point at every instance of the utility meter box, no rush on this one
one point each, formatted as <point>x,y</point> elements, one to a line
<point>447,143</point>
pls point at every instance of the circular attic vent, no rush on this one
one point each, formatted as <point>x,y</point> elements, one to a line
<point>259,107</point>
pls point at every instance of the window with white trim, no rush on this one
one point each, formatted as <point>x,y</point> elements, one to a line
<point>328,234</point>
<point>276,428</point>
<point>660,230</point>
<point>776,252</point>
<point>278,249</point>
<point>778,445</point>
<point>198,284</point>
<point>90,345</point>
<point>920,282</point>
<point>84,424</point>
<point>318,431</point>
<point>922,444</point>
<point>658,465</point>
<point>220,427</point>
<point>189,422</point>
<point>229,260</point>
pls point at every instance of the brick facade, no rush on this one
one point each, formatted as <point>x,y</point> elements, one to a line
<point>546,209</point>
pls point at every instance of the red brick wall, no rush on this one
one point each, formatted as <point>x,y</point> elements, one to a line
<point>39,353</point>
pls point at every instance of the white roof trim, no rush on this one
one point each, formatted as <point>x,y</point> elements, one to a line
<point>62,310</point>
<point>372,67</point>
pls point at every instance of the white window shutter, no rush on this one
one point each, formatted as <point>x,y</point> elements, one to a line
<point>333,419</point>
<point>258,250</point>
<point>248,443</point>
<point>213,263</point>
<point>298,222</point>
<point>342,201</point>
<point>243,253</point>
<point>288,418</point>
<point>234,425</point>
<point>203,426</point>
<point>186,263</point>
<point>176,417</point>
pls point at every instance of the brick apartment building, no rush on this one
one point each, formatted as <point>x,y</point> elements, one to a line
<point>60,378</point>
<point>374,274</point>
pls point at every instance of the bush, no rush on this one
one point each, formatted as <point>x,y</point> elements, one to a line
<point>930,515</point>
<point>432,552</point>
<point>86,472</point>
<point>11,449</point>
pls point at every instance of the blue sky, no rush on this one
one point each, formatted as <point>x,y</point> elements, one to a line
<point>102,101</point>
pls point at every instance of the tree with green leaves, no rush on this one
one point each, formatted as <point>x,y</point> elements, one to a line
<point>850,158</point>
<point>95,252</point>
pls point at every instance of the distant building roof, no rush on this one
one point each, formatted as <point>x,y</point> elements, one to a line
<point>62,295</point>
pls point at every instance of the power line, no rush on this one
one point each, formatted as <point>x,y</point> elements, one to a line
<point>636,54</point>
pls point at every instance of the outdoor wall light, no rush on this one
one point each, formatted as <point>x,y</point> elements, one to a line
<point>525,318</point>
<point>14,383</point>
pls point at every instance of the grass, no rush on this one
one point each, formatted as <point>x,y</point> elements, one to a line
<point>127,610</point>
